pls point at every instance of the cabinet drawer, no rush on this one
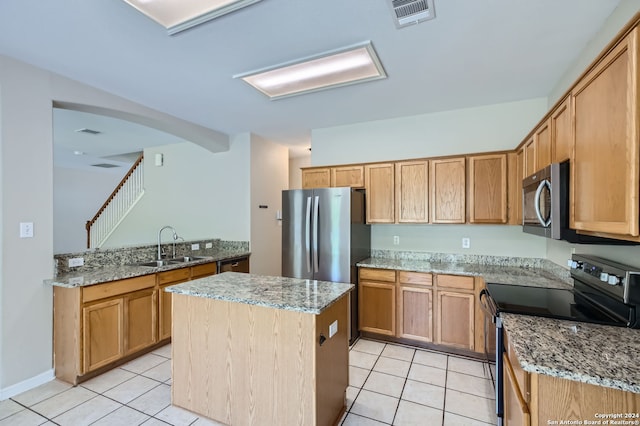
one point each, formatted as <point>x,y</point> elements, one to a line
<point>204,270</point>
<point>455,281</point>
<point>175,275</point>
<point>417,278</point>
<point>378,275</point>
<point>115,288</point>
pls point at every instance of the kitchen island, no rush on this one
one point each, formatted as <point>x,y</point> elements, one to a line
<point>250,349</point>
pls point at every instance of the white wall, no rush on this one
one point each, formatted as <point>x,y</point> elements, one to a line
<point>488,128</point>
<point>560,251</point>
<point>295,174</point>
<point>26,187</point>
<point>200,193</point>
<point>26,173</point>
<point>269,176</point>
<point>614,23</point>
<point>77,196</point>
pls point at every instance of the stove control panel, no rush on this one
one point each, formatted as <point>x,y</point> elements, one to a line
<point>618,280</point>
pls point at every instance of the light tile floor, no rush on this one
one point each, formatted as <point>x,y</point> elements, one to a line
<point>388,384</point>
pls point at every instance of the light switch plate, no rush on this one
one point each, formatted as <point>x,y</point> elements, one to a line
<point>333,328</point>
<point>26,229</point>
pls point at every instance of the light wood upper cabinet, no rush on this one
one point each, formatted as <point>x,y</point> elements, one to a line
<point>316,178</point>
<point>561,132</point>
<point>515,169</point>
<point>604,172</point>
<point>542,138</point>
<point>352,176</point>
<point>530,157</point>
<point>487,188</point>
<point>380,186</point>
<point>447,186</point>
<point>412,191</point>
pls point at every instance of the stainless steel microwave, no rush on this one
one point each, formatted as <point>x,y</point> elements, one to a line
<point>545,207</point>
<point>545,200</point>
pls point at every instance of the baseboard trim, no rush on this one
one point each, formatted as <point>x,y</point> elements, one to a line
<point>25,385</point>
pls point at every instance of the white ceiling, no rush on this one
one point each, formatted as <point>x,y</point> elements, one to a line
<point>475,52</point>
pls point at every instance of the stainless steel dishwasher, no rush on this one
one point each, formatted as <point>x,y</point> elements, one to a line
<point>238,264</point>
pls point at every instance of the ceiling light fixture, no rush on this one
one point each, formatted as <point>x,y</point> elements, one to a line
<point>349,65</point>
<point>181,15</point>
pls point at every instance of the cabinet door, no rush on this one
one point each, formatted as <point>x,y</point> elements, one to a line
<point>205,270</point>
<point>447,189</point>
<point>455,319</point>
<point>515,173</point>
<point>488,189</point>
<point>166,279</point>
<point>139,320</point>
<point>415,313</point>
<point>164,314</point>
<point>379,182</point>
<point>561,132</point>
<point>316,178</point>
<point>412,192</point>
<point>516,411</point>
<point>103,333</point>
<point>604,176</point>
<point>542,138</point>
<point>530,158</point>
<point>377,307</point>
<point>352,176</point>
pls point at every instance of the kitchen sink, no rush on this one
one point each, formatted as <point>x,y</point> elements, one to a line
<point>158,263</point>
<point>170,261</point>
<point>187,258</point>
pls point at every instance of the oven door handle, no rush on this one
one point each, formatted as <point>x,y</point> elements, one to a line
<point>486,305</point>
<point>544,184</point>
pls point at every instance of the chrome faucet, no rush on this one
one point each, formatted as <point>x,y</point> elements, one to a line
<point>175,237</point>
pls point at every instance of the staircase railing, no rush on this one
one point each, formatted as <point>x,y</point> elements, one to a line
<point>120,202</point>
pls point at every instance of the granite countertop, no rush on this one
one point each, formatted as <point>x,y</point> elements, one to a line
<point>113,273</point>
<point>292,294</point>
<point>590,353</point>
<point>503,274</point>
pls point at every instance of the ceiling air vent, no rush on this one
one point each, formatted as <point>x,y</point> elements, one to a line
<point>409,12</point>
<point>89,131</point>
<point>105,165</point>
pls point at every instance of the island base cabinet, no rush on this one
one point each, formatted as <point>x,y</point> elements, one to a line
<point>556,399</point>
<point>243,364</point>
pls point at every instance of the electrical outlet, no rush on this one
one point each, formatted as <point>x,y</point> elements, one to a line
<point>333,328</point>
<point>76,261</point>
<point>208,245</point>
<point>396,240</point>
<point>466,243</point>
<point>195,246</point>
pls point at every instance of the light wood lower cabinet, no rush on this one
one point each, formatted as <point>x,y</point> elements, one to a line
<point>455,319</point>
<point>166,279</point>
<point>427,308</point>
<point>377,301</point>
<point>538,399</point>
<point>103,333</point>
<point>140,320</point>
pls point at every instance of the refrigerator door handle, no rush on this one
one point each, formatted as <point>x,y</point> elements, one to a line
<point>307,238</point>
<point>316,213</point>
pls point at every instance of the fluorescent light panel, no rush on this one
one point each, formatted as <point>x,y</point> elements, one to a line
<point>350,65</point>
<point>179,15</point>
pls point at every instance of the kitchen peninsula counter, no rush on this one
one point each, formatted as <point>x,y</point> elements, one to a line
<point>596,354</point>
<point>251,349</point>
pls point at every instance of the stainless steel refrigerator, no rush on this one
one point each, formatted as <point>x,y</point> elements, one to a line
<point>324,235</point>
